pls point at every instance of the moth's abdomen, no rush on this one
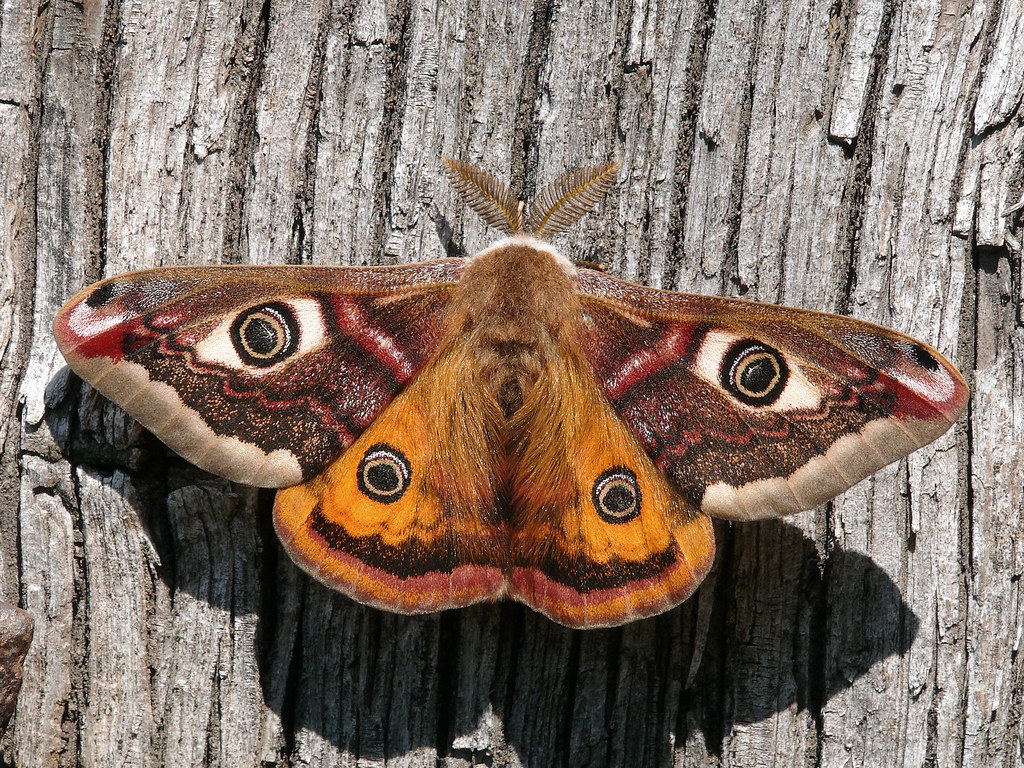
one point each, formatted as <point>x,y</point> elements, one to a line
<point>599,536</point>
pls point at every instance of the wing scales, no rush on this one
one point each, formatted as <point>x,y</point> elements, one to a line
<point>857,397</point>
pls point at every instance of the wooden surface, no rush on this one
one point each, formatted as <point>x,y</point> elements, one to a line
<point>861,156</point>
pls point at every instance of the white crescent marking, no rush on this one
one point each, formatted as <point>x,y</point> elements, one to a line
<point>797,395</point>
<point>530,242</point>
<point>218,349</point>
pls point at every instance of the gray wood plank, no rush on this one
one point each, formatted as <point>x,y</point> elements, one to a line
<point>862,158</point>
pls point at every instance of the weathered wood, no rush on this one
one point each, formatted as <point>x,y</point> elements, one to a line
<point>861,157</point>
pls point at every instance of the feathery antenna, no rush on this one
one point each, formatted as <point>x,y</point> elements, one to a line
<point>566,200</point>
<point>486,195</point>
<point>560,204</point>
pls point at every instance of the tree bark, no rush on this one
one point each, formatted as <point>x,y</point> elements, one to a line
<point>860,156</point>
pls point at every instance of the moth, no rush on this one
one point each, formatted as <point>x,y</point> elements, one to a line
<point>511,424</point>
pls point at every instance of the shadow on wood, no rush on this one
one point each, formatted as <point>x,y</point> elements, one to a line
<point>775,627</point>
<point>553,694</point>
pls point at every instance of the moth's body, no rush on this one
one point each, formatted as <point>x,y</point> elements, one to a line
<point>514,310</point>
<point>461,430</point>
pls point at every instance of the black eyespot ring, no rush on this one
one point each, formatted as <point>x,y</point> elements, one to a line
<point>754,373</point>
<point>384,473</point>
<point>616,495</point>
<point>265,335</point>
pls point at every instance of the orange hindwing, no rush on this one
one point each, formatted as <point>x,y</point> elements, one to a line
<point>406,518</point>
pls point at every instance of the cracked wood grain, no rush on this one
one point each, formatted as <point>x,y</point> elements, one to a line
<point>863,157</point>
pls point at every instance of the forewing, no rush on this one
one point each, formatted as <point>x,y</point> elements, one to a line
<point>755,410</point>
<point>260,374</point>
